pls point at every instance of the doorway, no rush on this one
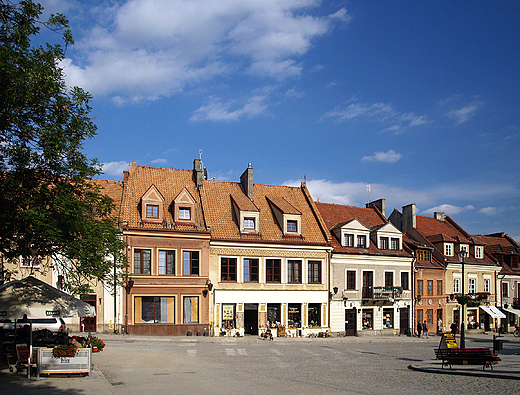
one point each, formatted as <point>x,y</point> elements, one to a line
<point>90,323</point>
<point>350,322</point>
<point>251,318</point>
<point>404,320</point>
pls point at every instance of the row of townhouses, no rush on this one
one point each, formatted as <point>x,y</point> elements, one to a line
<point>222,258</point>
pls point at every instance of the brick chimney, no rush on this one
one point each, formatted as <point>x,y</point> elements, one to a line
<point>246,181</point>
<point>380,204</point>
<point>409,218</point>
<point>197,172</point>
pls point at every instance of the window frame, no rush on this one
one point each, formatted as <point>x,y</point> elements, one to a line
<point>456,285</point>
<point>273,270</point>
<point>184,312</point>
<point>311,272</point>
<point>472,285</point>
<point>389,279</point>
<point>487,285</point>
<point>248,221</point>
<point>429,287</point>
<point>384,243</point>
<point>292,226</point>
<point>439,287</point>
<point>152,210</point>
<point>142,261</point>
<point>420,288</point>
<point>405,285</point>
<point>361,241</point>
<point>505,290</point>
<point>228,269</point>
<point>348,239</point>
<point>168,263</point>
<point>291,272</point>
<point>395,244</point>
<point>479,252</point>
<point>250,270</point>
<point>448,249</point>
<point>351,280</point>
<point>191,261</point>
<point>182,213</point>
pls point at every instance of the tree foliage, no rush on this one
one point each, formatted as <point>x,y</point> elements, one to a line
<point>49,205</point>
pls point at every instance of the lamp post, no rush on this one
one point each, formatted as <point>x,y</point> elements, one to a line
<point>462,255</point>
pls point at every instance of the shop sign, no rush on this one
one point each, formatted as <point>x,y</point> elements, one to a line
<point>227,311</point>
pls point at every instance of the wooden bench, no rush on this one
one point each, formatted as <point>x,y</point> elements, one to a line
<point>467,356</point>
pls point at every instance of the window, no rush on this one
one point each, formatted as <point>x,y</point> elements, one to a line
<point>429,318</point>
<point>419,315</point>
<point>456,285</point>
<point>388,318</point>
<point>439,287</point>
<point>294,315</point>
<point>314,272</point>
<point>142,261</point>
<point>30,262</point>
<point>419,287</point>
<point>292,225</point>
<point>389,279</point>
<point>190,263</point>
<point>166,262</point>
<point>249,223</point>
<point>154,309</point>
<point>184,213</point>
<point>472,285</point>
<point>152,211</point>
<point>273,270</point>
<point>429,287</point>
<point>349,240</point>
<point>478,252</point>
<point>228,269</point>
<point>423,255</point>
<point>361,241</point>
<point>274,314</point>
<point>191,309</point>
<point>505,290</point>
<point>351,279</point>
<point>314,310</point>
<point>405,281</point>
<point>294,271</point>
<point>383,241</point>
<point>228,316</point>
<point>487,285</point>
<point>395,244</point>
<point>448,249</point>
<point>250,270</point>
<point>514,262</point>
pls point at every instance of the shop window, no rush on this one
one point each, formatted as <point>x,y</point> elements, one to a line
<point>228,269</point>
<point>166,262</point>
<point>250,270</point>
<point>142,261</point>
<point>191,309</point>
<point>388,318</point>
<point>294,271</point>
<point>367,316</point>
<point>314,272</point>
<point>294,316</point>
<point>314,310</point>
<point>190,263</point>
<point>154,309</point>
<point>228,316</point>
<point>274,314</point>
<point>273,269</point>
<point>472,319</point>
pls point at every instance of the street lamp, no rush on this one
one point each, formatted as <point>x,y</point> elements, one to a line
<point>462,255</point>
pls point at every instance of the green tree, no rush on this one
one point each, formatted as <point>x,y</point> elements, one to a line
<point>49,205</point>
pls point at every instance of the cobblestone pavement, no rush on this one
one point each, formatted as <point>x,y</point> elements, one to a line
<point>196,365</point>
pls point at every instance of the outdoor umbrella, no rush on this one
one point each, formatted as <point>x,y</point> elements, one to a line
<point>35,299</point>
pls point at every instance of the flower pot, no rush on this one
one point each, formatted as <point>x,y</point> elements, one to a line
<point>95,349</point>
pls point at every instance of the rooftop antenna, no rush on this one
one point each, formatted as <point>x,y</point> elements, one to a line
<point>203,168</point>
<point>305,178</point>
<point>368,192</point>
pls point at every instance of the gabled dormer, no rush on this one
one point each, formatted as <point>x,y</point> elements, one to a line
<point>387,237</point>
<point>289,218</point>
<point>246,213</point>
<point>184,208</point>
<point>152,206</point>
<point>352,234</point>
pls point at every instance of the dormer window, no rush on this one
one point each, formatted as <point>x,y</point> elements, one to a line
<point>395,244</point>
<point>388,235</point>
<point>183,207</point>
<point>152,211</point>
<point>292,225</point>
<point>423,255</point>
<point>348,240</point>
<point>184,213</point>
<point>152,203</point>
<point>353,234</point>
<point>448,249</point>
<point>249,223</point>
<point>479,252</point>
<point>383,242</point>
<point>247,214</point>
<point>361,241</point>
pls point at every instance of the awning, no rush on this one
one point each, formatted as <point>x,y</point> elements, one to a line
<point>512,311</point>
<point>493,311</point>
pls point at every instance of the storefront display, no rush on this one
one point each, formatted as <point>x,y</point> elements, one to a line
<point>367,317</point>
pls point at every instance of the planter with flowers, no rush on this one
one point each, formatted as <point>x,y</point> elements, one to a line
<point>64,351</point>
<point>96,344</point>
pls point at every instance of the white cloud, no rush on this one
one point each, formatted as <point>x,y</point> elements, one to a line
<point>144,49</point>
<point>460,108</point>
<point>463,114</point>
<point>115,169</point>
<point>216,110</point>
<point>389,157</point>
<point>159,161</point>
<point>379,112</point>
<point>448,209</point>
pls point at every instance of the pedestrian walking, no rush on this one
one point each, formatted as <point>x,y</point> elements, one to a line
<point>419,329</point>
<point>454,327</point>
<point>425,330</point>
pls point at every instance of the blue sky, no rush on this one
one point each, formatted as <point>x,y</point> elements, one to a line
<point>418,99</point>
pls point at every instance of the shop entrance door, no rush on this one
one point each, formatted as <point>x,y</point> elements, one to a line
<point>456,318</point>
<point>350,322</point>
<point>404,320</point>
<point>251,318</point>
<point>90,323</point>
